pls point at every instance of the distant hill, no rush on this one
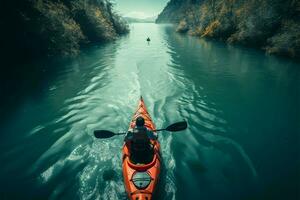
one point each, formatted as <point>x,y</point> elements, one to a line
<point>138,20</point>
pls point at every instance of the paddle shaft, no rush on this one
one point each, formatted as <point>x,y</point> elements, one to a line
<point>159,130</point>
<point>172,128</point>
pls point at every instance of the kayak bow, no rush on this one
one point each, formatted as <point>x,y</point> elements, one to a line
<point>141,179</point>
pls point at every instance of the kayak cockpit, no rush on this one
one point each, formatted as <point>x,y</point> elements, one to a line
<point>141,155</point>
<point>143,167</point>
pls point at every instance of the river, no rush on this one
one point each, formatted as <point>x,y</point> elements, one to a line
<point>242,108</point>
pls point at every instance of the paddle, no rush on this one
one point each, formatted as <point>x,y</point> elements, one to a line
<point>179,126</point>
<point>106,134</point>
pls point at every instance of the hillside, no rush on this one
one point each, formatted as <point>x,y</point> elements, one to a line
<point>37,28</point>
<point>273,25</point>
<point>138,20</point>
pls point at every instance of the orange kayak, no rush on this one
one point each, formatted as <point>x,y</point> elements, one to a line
<point>141,179</point>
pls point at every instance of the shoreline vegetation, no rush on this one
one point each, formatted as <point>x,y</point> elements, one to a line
<point>38,35</point>
<point>42,28</point>
<point>272,25</point>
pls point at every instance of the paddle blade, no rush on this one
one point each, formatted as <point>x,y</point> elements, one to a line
<point>179,126</point>
<point>103,134</point>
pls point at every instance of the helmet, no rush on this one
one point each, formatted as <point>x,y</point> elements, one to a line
<point>139,121</point>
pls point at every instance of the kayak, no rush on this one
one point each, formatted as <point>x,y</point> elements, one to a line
<point>141,179</point>
<point>141,159</point>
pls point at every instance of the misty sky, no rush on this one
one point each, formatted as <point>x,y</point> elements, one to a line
<point>140,8</point>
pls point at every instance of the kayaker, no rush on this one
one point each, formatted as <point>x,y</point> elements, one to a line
<point>139,137</point>
<point>148,41</point>
<point>140,134</point>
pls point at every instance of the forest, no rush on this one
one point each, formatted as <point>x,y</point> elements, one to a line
<point>39,28</point>
<point>272,25</point>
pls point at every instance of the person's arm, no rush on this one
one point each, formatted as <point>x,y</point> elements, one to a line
<point>152,135</point>
<point>128,136</point>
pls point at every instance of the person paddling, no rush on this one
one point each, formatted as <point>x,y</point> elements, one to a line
<point>141,145</point>
<point>148,40</point>
<point>140,134</point>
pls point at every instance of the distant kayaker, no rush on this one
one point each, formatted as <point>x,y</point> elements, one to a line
<point>148,40</point>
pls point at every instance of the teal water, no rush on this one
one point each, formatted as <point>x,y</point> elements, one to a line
<point>241,105</point>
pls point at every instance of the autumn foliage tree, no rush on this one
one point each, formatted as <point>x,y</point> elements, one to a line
<point>273,25</point>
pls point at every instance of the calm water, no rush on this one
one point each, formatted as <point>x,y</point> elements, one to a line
<point>242,108</point>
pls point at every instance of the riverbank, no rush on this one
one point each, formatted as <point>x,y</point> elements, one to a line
<point>41,28</point>
<point>36,33</point>
<point>272,25</point>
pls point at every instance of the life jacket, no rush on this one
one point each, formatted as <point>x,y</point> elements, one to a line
<point>140,139</point>
<point>141,149</point>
